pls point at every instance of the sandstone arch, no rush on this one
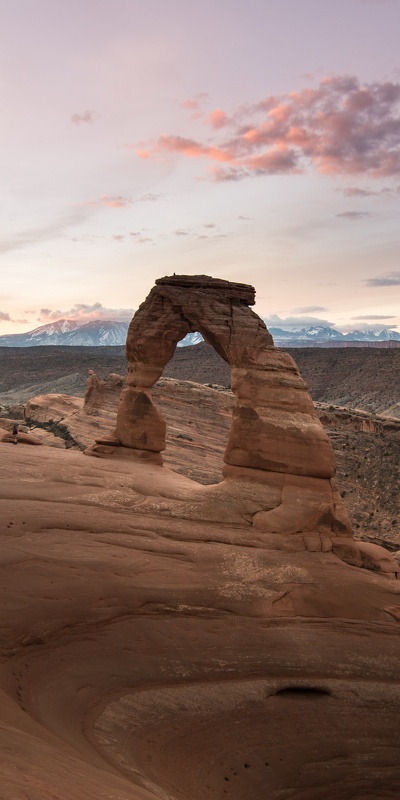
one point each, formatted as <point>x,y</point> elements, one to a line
<point>276,441</point>
<point>274,426</point>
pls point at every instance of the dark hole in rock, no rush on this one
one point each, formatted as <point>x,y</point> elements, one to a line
<point>303,691</point>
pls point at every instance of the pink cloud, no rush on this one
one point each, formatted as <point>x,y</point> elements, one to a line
<point>114,202</point>
<point>190,105</point>
<point>277,160</point>
<point>355,191</point>
<point>120,201</point>
<point>354,215</point>
<point>187,147</point>
<point>194,104</point>
<point>217,119</point>
<point>340,127</point>
<point>143,153</point>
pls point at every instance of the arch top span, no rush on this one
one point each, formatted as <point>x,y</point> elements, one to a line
<point>239,292</point>
<point>180,304</point>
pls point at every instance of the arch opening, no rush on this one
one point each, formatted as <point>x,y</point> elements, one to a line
<point>193,396</point>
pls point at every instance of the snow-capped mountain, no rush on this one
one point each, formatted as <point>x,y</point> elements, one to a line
<point>102,333</point>
<point>72,333</point>
<point>191,338</point>
<point>316,334</point>
<point>321,334</point>
<point>373,336</point>
<point>96,333</point>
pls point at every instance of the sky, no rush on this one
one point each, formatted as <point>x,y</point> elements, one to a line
<point>252,140</point>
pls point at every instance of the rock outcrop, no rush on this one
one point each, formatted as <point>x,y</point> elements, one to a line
<point>274,423</point>
<point>276,439</point>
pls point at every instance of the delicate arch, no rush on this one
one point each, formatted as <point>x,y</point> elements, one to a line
<point>274,427</point>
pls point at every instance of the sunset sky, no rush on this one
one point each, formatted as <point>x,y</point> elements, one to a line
<point>252,140</point>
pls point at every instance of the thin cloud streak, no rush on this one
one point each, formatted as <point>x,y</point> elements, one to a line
<point>309,310</point>
<point>355,191</point>
<point>352,216</point>
<point>48,232</point>
<point>387,279</point>
<point>120,201</point>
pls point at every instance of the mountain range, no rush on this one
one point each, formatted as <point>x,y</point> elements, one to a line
<point>103,333</point>
<point>320,334</point>
<point>96,333</point>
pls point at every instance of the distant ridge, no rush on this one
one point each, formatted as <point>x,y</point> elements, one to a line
<point>106,333</point>
<point>323,336</point>
<point>71,333</point>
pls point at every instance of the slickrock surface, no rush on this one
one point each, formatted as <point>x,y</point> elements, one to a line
<point>366,448</point>
<point>147,656</point>
<point>198,420</point>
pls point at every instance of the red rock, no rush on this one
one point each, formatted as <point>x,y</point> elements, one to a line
<point>146,655</point>
<point>275,428</point>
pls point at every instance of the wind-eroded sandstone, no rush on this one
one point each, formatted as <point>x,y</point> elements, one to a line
<point>275,439</point>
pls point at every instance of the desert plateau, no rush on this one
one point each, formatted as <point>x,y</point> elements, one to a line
<point>199,566</point>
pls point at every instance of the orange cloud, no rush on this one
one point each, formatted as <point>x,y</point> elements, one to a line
<point>217,119</point>
<point>115,202</point>
<point>190,148</point>
<point>143,153</point>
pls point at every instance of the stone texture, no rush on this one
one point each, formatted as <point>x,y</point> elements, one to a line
<point>100,394</point>
<point>139,423</point>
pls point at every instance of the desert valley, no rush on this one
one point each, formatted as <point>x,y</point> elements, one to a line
<point>207,608</point>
